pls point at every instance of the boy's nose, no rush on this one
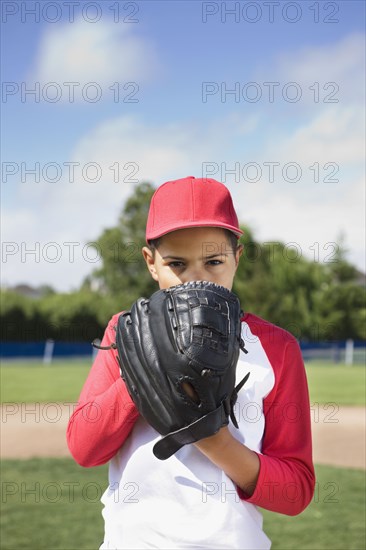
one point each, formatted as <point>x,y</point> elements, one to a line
<point>194,275</point>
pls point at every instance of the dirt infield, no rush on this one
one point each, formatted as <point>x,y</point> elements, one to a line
<point>38,430</point>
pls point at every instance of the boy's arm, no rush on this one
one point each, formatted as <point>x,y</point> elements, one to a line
<point>281,478</point>
<point>105,413</point>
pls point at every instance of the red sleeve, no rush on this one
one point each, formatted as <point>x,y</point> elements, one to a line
<point>286,479</point>
<point>105,413</point>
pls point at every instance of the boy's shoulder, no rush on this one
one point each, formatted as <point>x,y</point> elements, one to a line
<point>267,331</point>
<point>114,319</point>
<point>111,327</point>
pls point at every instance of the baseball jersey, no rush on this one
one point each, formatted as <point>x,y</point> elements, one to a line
<point>186,501</point>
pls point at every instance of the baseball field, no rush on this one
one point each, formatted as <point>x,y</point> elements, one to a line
<point>48,501</point>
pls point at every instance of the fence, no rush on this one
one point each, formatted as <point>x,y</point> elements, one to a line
<point>348,352</point>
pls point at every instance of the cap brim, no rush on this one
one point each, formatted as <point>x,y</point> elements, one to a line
<point>169,229</point>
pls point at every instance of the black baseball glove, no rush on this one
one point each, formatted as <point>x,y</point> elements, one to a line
<point>178,352</point>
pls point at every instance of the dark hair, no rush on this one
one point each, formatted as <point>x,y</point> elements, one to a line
<point>230,236</point>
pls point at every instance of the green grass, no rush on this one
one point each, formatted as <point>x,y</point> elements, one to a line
<point>30,381</point>
<point>30,520</point>
<point>340,384</point>
<point>63,511</point>
<point>335,519</point>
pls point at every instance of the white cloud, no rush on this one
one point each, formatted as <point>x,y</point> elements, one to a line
<point>341,62</point>
<point>282,217</point>
<point>156,150</point>
<point>336,134</point>
<point>102,52</point>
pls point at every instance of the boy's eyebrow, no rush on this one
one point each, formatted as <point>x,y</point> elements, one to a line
<point>203,257</point>
<point>211,256</point>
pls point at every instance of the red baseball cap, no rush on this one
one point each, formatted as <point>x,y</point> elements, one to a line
<point>191,202</point>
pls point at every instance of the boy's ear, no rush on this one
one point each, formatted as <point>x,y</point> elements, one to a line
<point>150,262</point>
<point>239,252</point>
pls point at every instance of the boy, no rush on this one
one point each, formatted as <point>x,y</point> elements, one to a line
<point>206,495</point>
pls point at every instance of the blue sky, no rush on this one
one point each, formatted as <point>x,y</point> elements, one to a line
<point>268,99</point>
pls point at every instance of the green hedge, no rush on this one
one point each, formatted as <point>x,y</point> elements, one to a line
<point>73,317</point>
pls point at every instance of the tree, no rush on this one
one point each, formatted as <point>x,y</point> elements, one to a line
<point>123,276</point>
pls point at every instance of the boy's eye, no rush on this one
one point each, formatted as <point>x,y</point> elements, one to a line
<point>177,263</point>
<point>174,264</point>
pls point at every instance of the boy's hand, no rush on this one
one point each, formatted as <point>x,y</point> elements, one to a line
<point>239,463</point>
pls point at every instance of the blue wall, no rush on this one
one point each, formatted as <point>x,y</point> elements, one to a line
<point>36,349</point>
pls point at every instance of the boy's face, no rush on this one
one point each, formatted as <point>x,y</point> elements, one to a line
<point>193,254</point>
